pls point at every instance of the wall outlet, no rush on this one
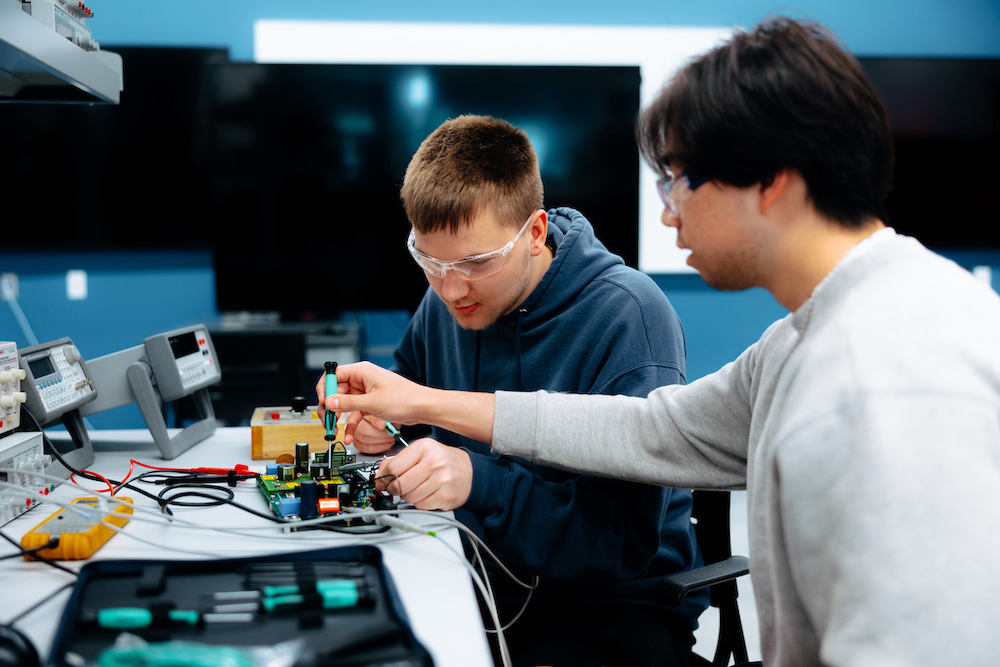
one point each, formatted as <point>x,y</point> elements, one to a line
<point>76,285</point>
<point>9,286</point>
<point>984,274</point>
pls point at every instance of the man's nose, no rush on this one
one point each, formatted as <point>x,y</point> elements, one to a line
<point>454,286</point>
<point>669,218</point>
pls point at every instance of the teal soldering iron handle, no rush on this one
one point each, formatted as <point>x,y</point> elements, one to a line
<point>391,430</point>
<point>331,389</point>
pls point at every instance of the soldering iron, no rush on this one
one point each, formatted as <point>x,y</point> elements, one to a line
<point>394,432</point>
<point>331,389</point>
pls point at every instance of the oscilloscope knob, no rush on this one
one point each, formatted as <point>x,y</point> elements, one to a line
<point>9,376</point>
<point>72,354</point>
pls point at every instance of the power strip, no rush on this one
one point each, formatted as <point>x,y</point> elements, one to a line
<point>21,454</point>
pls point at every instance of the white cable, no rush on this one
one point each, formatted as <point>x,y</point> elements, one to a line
<point>472,536</point>
<point>475,543</point>
<point>491,606</point>
<point>158,517</point>
<point>382,517</point>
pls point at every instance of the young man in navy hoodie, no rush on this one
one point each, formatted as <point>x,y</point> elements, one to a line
<point>523,299</point>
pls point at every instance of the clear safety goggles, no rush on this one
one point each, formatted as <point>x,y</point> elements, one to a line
<point>673,189</point>
<point>471,268</point>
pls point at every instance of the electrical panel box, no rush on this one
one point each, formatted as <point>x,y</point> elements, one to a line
<point>22,456</point>
<point>11,396</point>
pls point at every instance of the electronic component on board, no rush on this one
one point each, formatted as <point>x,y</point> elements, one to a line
<point>321,483</point>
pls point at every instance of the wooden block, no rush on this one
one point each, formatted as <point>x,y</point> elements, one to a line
<point>275,431</point>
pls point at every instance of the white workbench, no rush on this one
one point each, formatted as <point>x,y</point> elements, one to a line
<point>435,586</point>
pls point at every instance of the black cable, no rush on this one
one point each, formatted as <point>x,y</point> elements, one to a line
<point>52,544</point>
<point>358,530</point>
<point>202,478</point>
<point>223,501</point>
<point>41,602</point>
<point>38,557</point>
<point>352,530</point>
<point>165,503</point>
<point>214,501</point>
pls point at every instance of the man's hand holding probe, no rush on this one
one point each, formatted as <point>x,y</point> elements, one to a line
<point>428,474</point>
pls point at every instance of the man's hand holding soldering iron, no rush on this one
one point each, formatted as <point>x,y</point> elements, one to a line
<point>427,473</point>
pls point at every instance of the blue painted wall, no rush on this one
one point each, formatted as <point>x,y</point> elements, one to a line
<point>134,296</point>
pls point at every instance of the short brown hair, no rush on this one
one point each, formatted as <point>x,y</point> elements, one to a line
<point>466,165</point>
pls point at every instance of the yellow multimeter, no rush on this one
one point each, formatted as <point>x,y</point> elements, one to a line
<point>80,534</point>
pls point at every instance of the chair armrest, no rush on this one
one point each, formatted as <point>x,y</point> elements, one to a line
<point>673,589</point>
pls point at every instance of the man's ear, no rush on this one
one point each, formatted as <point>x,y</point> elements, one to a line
<point>773,191</point>
<point>539,231</point>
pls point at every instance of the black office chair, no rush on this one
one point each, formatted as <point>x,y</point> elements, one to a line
<point>721,569</point>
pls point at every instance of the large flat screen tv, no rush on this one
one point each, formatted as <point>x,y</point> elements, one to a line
<point>309,160</point>
<point>291,173</point>
<point>124,177</point>
<point>945,119</point>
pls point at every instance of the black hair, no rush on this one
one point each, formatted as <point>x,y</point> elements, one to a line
<point>784,95</point>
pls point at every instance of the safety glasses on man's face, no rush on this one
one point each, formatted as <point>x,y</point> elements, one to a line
<point>471,268</point>
<point>673,190</point>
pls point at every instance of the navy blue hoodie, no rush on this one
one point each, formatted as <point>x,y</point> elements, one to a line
<point>591,326</point>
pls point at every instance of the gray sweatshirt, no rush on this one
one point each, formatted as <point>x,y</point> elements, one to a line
<point>865,427</point>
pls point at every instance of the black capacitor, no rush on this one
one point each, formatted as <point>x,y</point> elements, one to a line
<point>286,472</point>
<point>309,499</point>
<point>319,470</point>
<point>302,458</point>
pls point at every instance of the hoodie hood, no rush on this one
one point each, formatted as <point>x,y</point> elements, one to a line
<point>579,258</point>
<point>585,302</point>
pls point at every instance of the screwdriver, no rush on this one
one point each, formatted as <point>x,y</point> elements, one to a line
<point>391,430</point>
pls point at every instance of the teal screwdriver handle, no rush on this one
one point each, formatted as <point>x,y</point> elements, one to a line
<point>331,390</point>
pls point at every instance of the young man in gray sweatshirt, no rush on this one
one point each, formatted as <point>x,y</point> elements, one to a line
<point>865,425</point>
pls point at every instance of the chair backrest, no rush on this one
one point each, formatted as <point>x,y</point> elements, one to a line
<point>711,514</point>
<point>712,527</point>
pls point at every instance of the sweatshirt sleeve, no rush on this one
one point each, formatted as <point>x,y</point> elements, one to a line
<point>555,516</point>
<point>691,436</point>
